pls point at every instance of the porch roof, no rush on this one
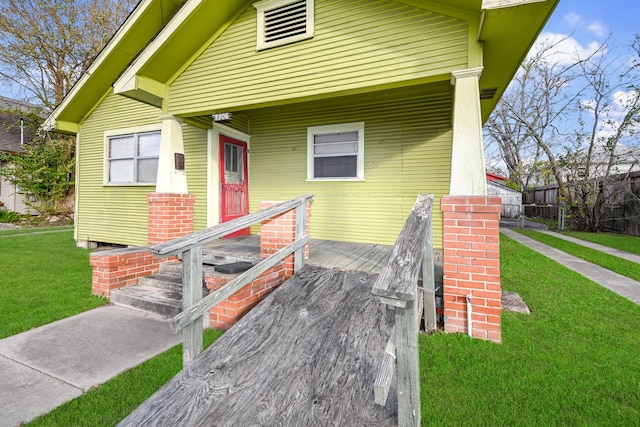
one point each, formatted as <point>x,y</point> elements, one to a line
<point>161,37</point>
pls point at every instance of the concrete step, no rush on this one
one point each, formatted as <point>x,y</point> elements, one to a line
<point>158,293</point>
<point>175,269</point>
<point>147,298</point>
<point>162,281</point>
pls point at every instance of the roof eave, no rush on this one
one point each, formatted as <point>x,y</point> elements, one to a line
<point>140,27</point>
<point>509,29</point>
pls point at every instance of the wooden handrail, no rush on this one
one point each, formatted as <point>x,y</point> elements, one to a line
<point>195,311</point>
<point>397,286</point>
<point>189,321</point>
<point>399,276</point>
<point>199,238</point>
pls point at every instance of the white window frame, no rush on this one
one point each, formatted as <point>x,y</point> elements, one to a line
<point>343,127</point>
<point>267,5</point>
<point>114,133</point>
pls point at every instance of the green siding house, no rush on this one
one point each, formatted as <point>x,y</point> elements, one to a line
<point>362,103</point>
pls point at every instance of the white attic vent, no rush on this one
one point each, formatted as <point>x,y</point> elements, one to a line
<point>283,21</point>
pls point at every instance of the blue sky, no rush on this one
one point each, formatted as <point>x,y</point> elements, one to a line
<point>591,20</point>
<point>588,20</point>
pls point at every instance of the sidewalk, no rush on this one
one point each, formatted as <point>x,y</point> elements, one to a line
<point>606,249</point>
<point>615,282</point>
<point>42,368</point>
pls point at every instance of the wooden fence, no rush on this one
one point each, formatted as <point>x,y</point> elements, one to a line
<point>189,321</point>
<point>397,286</point>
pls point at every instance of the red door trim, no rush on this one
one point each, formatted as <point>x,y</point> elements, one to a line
<point>224,215</point>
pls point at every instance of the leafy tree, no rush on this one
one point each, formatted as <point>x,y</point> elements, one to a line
<point>43,170</point>
<point>46,45</point>
<point>569,116</point>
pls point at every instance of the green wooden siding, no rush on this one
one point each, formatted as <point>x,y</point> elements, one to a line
<point>114,214</point>
<point>407,151</point>
<point>195,149</point>
<point>357,44</point>
<point>119,214</point>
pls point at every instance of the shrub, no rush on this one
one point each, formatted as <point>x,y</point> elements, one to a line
<point>7,216</point>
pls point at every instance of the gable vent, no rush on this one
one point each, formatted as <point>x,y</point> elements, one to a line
<point>488,93</point>
<point>286,21</point>
<point>281,22</point>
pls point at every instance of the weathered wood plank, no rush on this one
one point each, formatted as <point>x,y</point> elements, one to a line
<point>408,372</point>
<point>200,238</point>
<point>306,356</point>
<point>429,283</point>
<point>301,227</point>
<point>399,276</point>
<point>191,294</point>
<point>387,371</point>
<point>197,310</point>
<point>355,257</point>
<point>376,259</point>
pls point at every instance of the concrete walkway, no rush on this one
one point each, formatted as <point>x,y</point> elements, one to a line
<point>606,249</point>
<point>47,366</point>
<point>615,282</point>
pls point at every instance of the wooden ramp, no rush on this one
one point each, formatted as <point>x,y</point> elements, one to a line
<point>307,355</point>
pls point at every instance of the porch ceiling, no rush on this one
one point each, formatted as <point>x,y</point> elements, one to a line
<point>369,98</point>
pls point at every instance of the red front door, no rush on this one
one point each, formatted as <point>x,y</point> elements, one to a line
<point>234,181</point>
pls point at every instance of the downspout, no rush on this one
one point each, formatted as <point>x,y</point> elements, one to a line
<point>469,313</point>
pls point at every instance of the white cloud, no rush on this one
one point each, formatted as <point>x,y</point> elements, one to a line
<point>612,116</point>
<point>566,49</point>
<point>597,28</point>
<point>572,19</point>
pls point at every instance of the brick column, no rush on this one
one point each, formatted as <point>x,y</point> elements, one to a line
<point>471,246</point>
<point>275,234</point>
<point>170,216</point>
<point>278,232</point>
<point>121,267</point>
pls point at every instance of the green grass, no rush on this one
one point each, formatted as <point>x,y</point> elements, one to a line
<point>618,241</point>
<point>610,262</point>
<point>551,223</point>
<point>108,404</point>
<point>573,361</point>
<point>43,277</point>
<point>36,230</point>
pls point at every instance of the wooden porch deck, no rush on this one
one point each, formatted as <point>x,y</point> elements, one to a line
<point>307,355</point>
<point>364,257</point>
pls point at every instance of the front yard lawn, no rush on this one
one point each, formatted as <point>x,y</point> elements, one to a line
<point>618,241</point>
<point>43,277</point>
<point>610,262</point>
<point>573,361</point>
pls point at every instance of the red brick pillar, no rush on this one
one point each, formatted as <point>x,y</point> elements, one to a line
<point>170,216</point>
<point>120,267</point>
<point>278,232</point>
<point>471,246</point>
<point>275,234</point>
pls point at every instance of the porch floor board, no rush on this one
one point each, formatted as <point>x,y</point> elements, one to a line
<point>366,257</point>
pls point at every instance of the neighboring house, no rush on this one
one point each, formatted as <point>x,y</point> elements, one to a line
<point>363,104</point>
<point>511,199</point>
<point>492,177</point>
<point>12,136</point>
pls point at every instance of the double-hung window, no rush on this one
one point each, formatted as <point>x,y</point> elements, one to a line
<point>133,158</point>
<point>335,152</point>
